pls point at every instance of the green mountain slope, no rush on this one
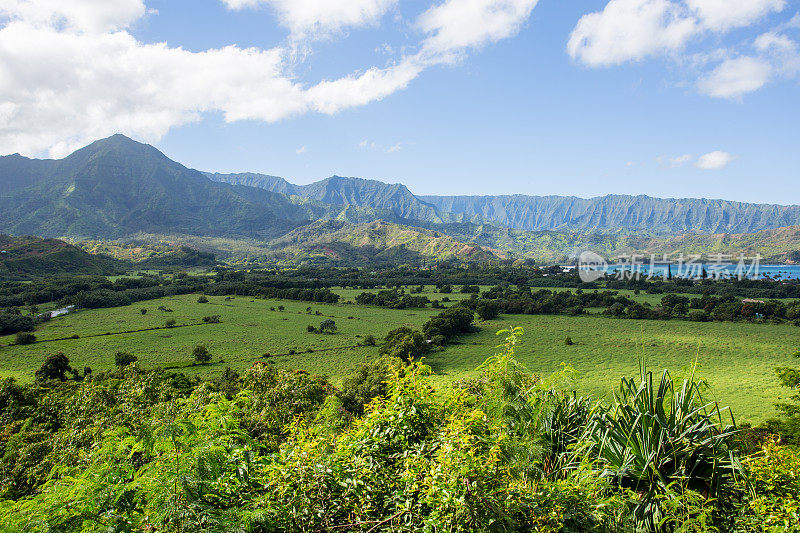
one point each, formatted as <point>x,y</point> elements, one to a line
<point>620,212</point>
<point>23,257</point>
<point>774,245</point>
<point>392,200</point>
<point>610,213</point>
<point>116,186</point>
<point>375,242</point>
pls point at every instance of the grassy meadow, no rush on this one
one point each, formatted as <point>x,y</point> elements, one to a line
<point>738,359</point>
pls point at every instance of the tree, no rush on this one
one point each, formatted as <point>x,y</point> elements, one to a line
<point>327,326</point>
<point>229,382</point>
<point>367,382</point>
<point>201,354</point>
<point>202,299</point>
<point>790,420</point>
<point>25,338</point>
<point>55,367</point>
<point>405,343</point>
<point>487,310</point>
<point>123,359</point>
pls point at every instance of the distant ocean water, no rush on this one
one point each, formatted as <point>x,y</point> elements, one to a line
<point>784,272</point>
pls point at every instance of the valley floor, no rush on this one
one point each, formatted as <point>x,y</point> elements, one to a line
<point>737,359</point>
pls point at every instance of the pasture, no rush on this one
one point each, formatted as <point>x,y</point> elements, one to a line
<point>737,359</point>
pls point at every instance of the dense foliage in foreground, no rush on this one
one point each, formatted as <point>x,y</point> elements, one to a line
<point>137,450</point>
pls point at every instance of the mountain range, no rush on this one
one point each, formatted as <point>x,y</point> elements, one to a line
<point>538,213</point>
<point>116,187</point>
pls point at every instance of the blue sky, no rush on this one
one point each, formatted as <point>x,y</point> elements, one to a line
<point>671,98</point>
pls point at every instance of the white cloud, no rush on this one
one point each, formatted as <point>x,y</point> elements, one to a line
<point>82,15</point>
<point>722,15</point>
<point>318,18</point>
<point>394,148</point>
<point>72,75</point>
<point>301,150</point>
<point>782,52</point>
<point>776,56</point>
<point>680,160</point>
<point>456,25</point>
<point>735,77</point>
<point>714,160</point>
<point>628,30</point>
<point>632,30</point>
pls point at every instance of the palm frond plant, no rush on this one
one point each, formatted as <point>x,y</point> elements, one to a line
<point>664,444</point>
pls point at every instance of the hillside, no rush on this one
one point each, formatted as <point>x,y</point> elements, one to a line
<point>116,186</point>
<point>151,253</point>
<point>612,213</point>
<point>781,245</point>
<point>392,198</point>
<point>24,257</point>
<point>375,242</point>
<point>620,213</point>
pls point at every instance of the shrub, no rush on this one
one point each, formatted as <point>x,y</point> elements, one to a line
<point>213,319</point>
<point>201,354</point>
<point>143,311</point>
<point>405,344</point>
<point>327,326</point>
<point>11,323</point>
<point>281,308</point>
<point>487,310</point>
<point>438,340</point>
<point>568,341</point>
<point>698,316</point>
<point>449,323</point>
<point>24,337</point>
<point>311,329</point>
<point>229,382</point>
<point>122,359</point>
<point>369,340</point>
<point>55,367</point>
<point>202,299</point>
<point>367,382</point>
<point>774,475</point>
<point>170,323</point>
<point>664,441</point>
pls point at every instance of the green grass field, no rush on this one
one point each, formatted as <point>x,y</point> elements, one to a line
<point>247,331</point>
<point>738,359</point>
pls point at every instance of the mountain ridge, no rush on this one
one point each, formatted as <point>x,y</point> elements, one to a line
<point>117,187</point>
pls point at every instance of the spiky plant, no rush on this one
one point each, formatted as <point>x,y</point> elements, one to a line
<point>665,443</point>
